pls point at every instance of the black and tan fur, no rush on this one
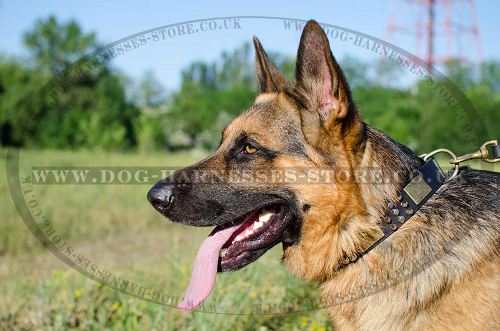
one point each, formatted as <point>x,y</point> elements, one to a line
<point>440,271</point>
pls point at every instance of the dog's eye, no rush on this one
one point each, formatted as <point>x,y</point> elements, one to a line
<point>249,149</point>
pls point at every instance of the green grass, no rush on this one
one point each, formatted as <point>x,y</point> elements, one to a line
<point>114,226</point>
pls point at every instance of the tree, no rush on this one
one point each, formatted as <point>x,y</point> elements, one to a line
<point>211,94</point>
<point>149,93</point>
<point>91,109</point>
<point>56,45</point>
<point>87,108</point>
<point>465,128</point>
<point>16,82</point>
<point>355,71</point>
<point>151,125</point>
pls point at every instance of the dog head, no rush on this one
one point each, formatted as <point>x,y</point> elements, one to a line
<point>264,178</point>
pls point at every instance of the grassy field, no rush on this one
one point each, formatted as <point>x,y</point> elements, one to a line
<point>114,226</point>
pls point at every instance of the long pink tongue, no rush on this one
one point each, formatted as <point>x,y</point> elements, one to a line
<point>205,269</point>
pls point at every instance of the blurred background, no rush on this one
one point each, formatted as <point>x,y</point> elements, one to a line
<point>165,104</point>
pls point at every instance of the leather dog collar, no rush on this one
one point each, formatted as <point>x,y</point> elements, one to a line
<point>410,199</point>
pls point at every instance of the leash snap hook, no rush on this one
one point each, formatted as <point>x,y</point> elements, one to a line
<point>483,154</point>
<point>452,161</point>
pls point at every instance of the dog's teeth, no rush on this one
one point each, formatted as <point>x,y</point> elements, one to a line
<point>265,216</point>
<point>238,237</point>
<point>223,252</point>
<point>248,233</point>
<point>257,225</point>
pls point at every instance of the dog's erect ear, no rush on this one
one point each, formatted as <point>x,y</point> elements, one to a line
<point>269,78</point>
<point>319,79</point>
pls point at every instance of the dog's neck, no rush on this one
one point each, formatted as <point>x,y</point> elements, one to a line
<point>393,164</point>
<point>387,165</point>
<point>383,166</point>
<point>355,211</point>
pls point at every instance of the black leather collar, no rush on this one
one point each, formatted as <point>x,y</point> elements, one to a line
<point>410,199</point>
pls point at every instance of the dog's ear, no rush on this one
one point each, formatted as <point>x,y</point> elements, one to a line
<point>320,82</point>
<point>269,78</point>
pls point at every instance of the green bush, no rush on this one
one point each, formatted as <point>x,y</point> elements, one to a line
<point>97,107</point>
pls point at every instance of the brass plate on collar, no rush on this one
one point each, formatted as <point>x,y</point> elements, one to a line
<point>417,189</point>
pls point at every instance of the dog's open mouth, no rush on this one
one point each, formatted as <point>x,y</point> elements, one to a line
<point>259,231</point>
<point>232,248</point>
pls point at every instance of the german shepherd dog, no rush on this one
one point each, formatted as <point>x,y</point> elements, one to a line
<point>440,271</point>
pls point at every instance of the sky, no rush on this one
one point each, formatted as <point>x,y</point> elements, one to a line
<point>114,20</point>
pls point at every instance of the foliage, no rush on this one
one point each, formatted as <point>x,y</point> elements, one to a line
<point>85,108</point>
<point>211,94</point>
<point>55,46</point>
<point>474,121</point>
<point>95,108</point>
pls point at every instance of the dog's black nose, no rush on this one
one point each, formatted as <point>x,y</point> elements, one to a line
<point>161,196</point>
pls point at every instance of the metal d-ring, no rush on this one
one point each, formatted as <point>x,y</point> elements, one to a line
<point>447,151</point>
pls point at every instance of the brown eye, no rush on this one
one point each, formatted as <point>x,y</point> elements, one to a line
<point>249,149</point>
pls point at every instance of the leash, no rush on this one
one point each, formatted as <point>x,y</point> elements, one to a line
<point>421,188</point>
<point>483,154</point>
